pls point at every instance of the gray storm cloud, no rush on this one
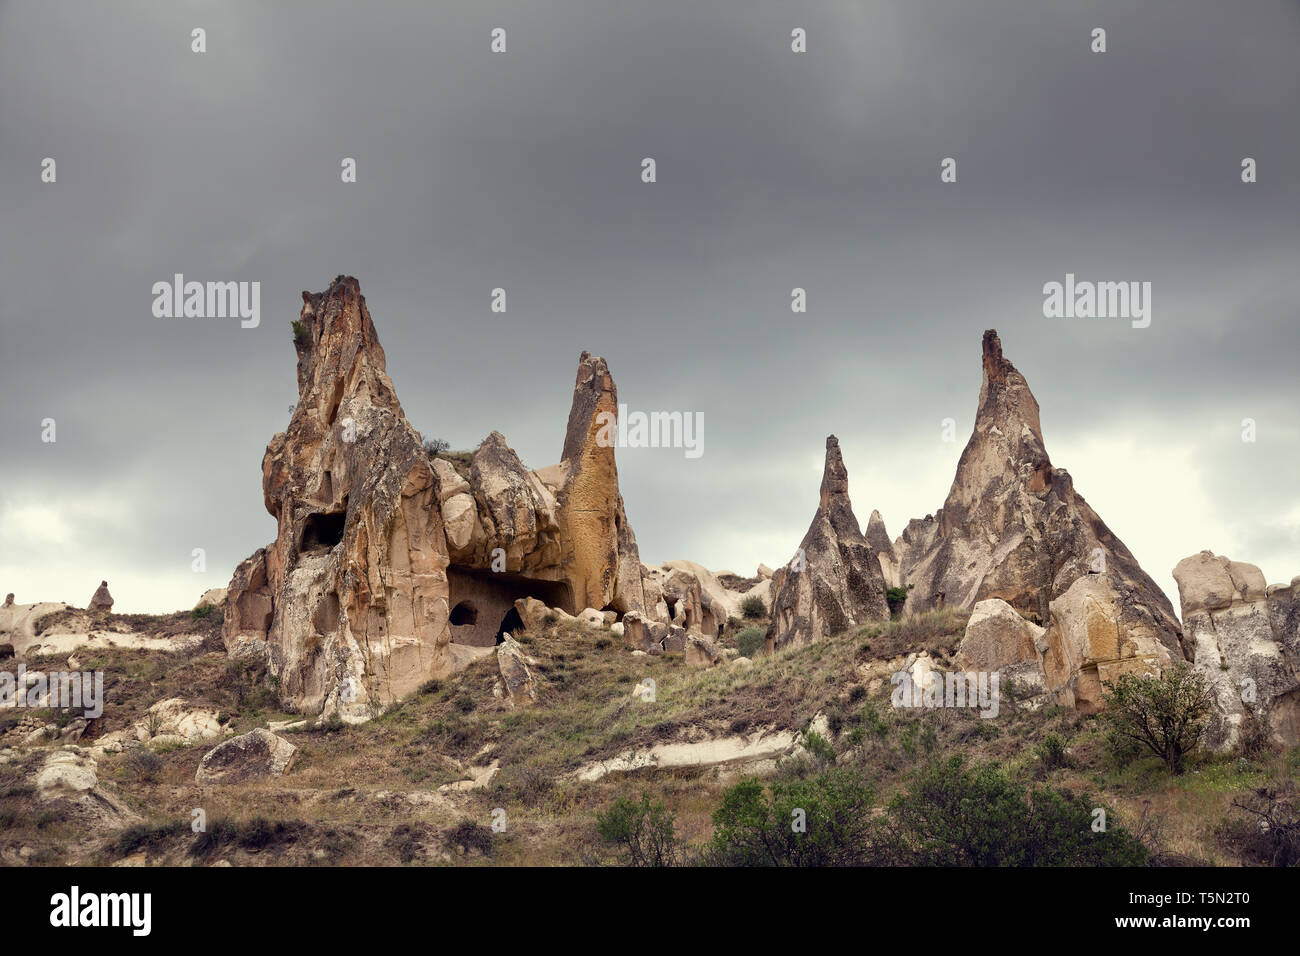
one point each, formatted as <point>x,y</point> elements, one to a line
<point>775,170</point>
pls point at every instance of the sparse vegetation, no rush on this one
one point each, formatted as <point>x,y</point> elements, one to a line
<point>1165,714</point>
<point>643,832</point>
<point>367,794</point>
<point>896,598</point>
<point>750,641</point>
<point>753,608</point>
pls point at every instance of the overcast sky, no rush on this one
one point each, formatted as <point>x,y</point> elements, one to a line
<point>775,170</point>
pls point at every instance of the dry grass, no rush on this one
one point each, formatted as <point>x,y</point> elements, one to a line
<point>369,794</point>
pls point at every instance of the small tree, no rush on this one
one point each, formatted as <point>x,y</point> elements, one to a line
<point>644,831</point>
<point>1165,714</point>
<point>753,608</point>
<point>435,446</point>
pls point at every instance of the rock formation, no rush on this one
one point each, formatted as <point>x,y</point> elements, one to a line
<point>1245,638</point>
<point>1014,528</point>
<point>101,600</point>
<point>998,640</point>
<point>256,755</point>
<point>389,568</point>
<point>835,580</point>
<point>878,538</point>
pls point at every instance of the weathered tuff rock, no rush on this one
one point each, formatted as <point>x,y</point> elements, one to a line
<point>1245,638</point>
<point>520,685</point>
<point>101,600</point>
<point>1013,527</point>
<point>67,782</point>
<point>251,756</point>
<point>383,558</point>
<point>878,538</point>
<point>1090,640</point>
<point>1095,635</point>
<point>835,581</point>
<point>998,640</point>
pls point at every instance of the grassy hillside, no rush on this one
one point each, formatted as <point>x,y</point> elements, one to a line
<point>369,794</point>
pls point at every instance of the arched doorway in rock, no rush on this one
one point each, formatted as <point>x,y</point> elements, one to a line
<point>509,624</point>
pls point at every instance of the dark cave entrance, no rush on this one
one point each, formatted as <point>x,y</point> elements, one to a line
<point>509,624</point>
<point>323,531</point>
<point>480,599</point>
<point>464,614</point>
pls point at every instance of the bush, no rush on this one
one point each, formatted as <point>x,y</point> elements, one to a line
<point>896,598</point>
<point>144,765</point>
<point>469,837</point>
<point>1273,835</point>
<point>300,334</point>
<point>819,747</point>
<point>955,815</point>
<point>1052,752</point>
<point>643,832</point>
<point>435,446</point>
<point>1165,714</point>
<point>750,641</point>
<point>823,821</point>
<point>753,608</point>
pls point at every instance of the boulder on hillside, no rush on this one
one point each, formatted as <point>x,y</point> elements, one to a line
<point>513,662</point>
<point>998,640</point>
<point>1096,634</point>
<point>256,755</point>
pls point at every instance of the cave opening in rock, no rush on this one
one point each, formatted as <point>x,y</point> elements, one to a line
<point>491,596</point>
<point>323,531</point>
<point>464,614</point>
<point>509,624</point>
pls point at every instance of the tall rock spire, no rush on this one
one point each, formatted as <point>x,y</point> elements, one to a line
<point>834,581</point>
<point>1013,526</point>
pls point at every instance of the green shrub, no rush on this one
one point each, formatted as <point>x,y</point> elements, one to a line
<point>750,641</point>
<point>1165,714</point>
<point>1052,752</point>
<point>955,815</point>
<point>819,747</point>
<point>753,608</point>
<point>643,832</point>
<point>896,598</point>
<point>823,821</point>
<point>300,334</point>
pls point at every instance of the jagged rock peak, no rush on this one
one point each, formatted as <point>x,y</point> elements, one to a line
<point>836,580</point>
<point>593,392</point>
<point>1013,527</point>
